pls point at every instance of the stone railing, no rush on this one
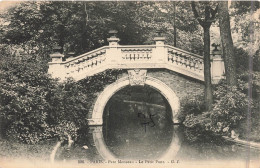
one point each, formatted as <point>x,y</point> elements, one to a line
<point>117,56</point>
<point>78,65</point>
<point>140,53</point>
<point>185,60</point>
<point>85,62</point>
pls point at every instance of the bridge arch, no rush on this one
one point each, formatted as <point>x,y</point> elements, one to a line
<point>110,90</point>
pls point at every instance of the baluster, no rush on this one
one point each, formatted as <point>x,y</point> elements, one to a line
<point>174,59</point>
<point>78,68</point>
<point>201,65</point>
<point>177,59</point>
<point>186,61</point>
<point>196,66</point>
<point>181,59</point>
<point>137,55</point>
<point>89,64</point>
<point>149,55</point>
<point>146,55</point>
<point>95,62</point>
<point>127,55</point>
<point>192,63</point>
<point>169,57</point>
<point>142,55</point>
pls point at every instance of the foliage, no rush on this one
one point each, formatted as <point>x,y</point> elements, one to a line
<point>191,105</point>
<point>78,26</point>
<point>245,19</point>
<point>243,61</point>
<point>23,103</point>
<point>249,128</point>
<point>230,108</point>
<point>67,101</point>
<point>84,26</point>
<point>242,7</point>
<point>36,107</point>
<point>63,129</point>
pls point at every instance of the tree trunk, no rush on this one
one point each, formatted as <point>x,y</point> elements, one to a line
<point>227,44</point>
<point>209,16</point>
<point>207,73</point>
<point>174,25</point>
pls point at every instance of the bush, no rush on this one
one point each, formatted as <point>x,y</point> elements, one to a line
<point>229,109</point>
<point>23,90</point>
<point>249,128</point>
<point>36,107</point>
<point>191,105</point>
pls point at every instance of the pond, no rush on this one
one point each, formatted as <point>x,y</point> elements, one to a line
<point>138,126</point>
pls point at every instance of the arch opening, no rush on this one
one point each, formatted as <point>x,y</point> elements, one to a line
<point>137,116</point>
<point>112,89</point>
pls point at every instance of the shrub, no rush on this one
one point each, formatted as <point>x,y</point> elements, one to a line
<point>35,106</point>
<point>230,108</point>
<point>191,105</point>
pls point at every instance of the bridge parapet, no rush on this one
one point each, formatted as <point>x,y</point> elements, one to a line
<point>117,56</point>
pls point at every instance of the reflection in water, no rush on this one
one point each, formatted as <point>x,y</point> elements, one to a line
<point>138,125</point>
<point>135,149</point>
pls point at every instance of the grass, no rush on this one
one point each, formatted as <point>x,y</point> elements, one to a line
<point>16,150</point>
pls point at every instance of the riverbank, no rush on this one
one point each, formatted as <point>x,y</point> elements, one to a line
<point>245,143</point>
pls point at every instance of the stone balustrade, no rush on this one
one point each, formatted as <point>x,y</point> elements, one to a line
<point>117,56</point>
<point>183,59</point>
<point>136,54</point>
<point>85,62</point>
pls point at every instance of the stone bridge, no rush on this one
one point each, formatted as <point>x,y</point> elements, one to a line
<point>173,72</point>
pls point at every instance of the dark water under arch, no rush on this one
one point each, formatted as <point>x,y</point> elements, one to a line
<point>135,119</point>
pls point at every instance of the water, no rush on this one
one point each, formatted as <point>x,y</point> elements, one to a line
<point>138,125</point>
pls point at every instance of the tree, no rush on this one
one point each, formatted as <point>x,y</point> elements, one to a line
<point>155,16</point>
<point>35,107</point>
<point>227,44</point>
<point>77,26</point>
<point>209,17</point>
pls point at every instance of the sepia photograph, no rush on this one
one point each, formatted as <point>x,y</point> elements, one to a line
<point>149,84</point>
